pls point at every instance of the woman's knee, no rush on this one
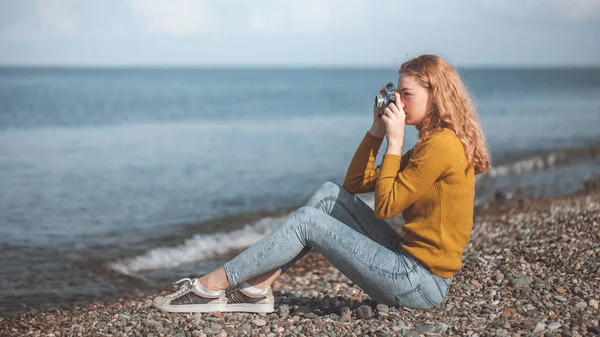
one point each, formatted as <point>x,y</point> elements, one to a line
<point>326,191</point>
<point>303,219</point>
<point>305,214</point>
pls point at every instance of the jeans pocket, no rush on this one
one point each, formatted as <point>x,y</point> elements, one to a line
<point>415,299</point>
<point>410,266</point>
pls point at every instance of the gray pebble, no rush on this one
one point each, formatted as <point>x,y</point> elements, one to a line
<point>211,331</point>
<point>345,317</point>
<point>553,325</point>
<point>382,308</point>
<point>245,328</point>
<point>441,327</point>
<point>425,328</point>
<point>560,298</point>
<point>259,322</point>
<point>283,311</point>
<point>364,312</point>
<point>382,315</point>
<point>522,282</point>
<point>539,328</point>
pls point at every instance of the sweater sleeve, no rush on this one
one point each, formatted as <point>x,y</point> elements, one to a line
<point>397,189</point>
<point>361,176</point>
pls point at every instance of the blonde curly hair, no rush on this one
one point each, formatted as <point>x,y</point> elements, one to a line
<point>452,107</point>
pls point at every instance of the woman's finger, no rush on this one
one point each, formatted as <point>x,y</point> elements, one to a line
<point>393,108</point>
<point>398,104</point>
<point>384,120</point>
<point>390,111</point>
<point>387,112</point>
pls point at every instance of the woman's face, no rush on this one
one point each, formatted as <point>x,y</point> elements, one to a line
<point>416,100</point>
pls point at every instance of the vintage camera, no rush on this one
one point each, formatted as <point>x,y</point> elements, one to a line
<point>385,97</point>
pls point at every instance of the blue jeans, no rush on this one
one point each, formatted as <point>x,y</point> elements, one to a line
<point>345,230</point>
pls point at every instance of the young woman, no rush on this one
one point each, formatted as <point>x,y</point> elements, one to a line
<point>432,184</point>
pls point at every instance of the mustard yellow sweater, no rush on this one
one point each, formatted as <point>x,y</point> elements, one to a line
<point>431,186</point>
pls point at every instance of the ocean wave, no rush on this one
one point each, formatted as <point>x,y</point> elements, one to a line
<point>536,163</point>
<point>200,247</point>
<point>205,247</point>
<point>517,164</point>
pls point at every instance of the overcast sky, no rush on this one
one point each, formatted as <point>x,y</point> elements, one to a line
<point>301,32</point>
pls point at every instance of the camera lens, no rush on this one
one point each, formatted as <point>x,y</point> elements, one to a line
<point>378,101</point>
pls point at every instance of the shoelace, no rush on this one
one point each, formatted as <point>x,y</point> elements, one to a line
<point>184,287</point>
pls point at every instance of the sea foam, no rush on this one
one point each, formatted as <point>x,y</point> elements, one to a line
<point>198,248</point>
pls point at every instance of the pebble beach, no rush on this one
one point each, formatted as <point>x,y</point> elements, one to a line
<point>531,269</point>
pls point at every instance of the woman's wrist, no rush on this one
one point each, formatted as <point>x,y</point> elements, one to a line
<point>377,133</point>
<point>394,148</point>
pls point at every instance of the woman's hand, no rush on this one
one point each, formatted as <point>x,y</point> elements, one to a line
<point>378,128</point>
<point>394,120</point>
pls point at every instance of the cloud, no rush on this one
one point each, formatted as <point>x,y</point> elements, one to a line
<point>309,16</point>
<point>582,9</point>
<point>175,17</point>
<point>571,10</point>
<point>327,16</point>
<point>118,19</point>
<point>52,19</point>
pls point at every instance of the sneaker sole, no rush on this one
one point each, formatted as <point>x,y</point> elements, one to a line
<point>191,307</point>
<point>250,307</point>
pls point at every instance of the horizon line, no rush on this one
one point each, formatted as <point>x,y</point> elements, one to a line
<point>287,66</point>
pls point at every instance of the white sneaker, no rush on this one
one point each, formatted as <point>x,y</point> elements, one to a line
<point>238,299</point>
<point>191,299</point>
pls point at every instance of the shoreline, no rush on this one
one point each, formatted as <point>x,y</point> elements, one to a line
<point>531,267</point>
